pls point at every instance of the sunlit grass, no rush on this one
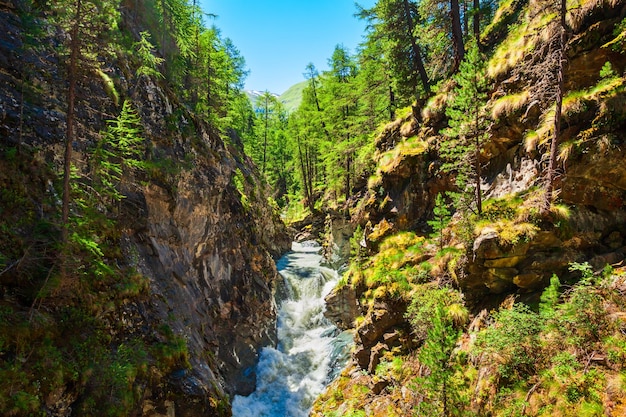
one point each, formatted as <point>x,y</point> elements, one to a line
<point>509,104</point>
<point>521,41</point>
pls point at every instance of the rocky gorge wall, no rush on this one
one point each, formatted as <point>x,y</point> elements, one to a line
<point>512,253</point>
<point>207,257</point>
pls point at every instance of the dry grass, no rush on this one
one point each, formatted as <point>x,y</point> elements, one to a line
<point>509,104</point>
<point>390,160</point>
<point>579,9</point>
<point>521,42</point>
<point>436,104</point>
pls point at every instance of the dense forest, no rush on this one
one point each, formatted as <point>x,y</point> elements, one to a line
<point>470,152</point>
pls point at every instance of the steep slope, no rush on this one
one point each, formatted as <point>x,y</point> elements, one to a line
<point>443,324</point>
<point>165,296</point>
<point>293,96</point>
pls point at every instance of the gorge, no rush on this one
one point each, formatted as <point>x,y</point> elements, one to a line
<point>463,170</point>
<point>310,349</point>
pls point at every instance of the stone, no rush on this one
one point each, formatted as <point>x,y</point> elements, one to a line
<point>614,240</point>
<point>361,356</point>
<point>392,339</point>
<point>342,307</point>
<point>600,261</point>
<point>377,385</point>
<point>486,244</point>
<point>379,320</point>
<point>504,274</point>
<point>375,354</point>
<point>529,280</point>
<point>498,286</point>
<point>546,239</point>
<point>507,262</point>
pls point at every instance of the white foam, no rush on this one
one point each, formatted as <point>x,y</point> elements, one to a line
<point>290,377</point>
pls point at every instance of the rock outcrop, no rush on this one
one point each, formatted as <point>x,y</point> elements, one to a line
<point>208,257</point>
<point>591,184</point>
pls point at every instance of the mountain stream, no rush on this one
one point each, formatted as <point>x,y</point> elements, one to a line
<point>311,351</point>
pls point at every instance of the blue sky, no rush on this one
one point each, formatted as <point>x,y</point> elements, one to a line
<point>279,38</point>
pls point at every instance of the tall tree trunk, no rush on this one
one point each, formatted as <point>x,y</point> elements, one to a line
<point>478,170</point>
<point>554,144</point>
<point>209,73</point>
<point>311,162</point>
<point>195,89</point>
<point>392,104</point>
<point>348,179</point>
<point>457,34</point>
<point>21,136</point>
<point>166,26</point>
<point>418,63</point>
<point>72,76</point>
<point>318,107</point>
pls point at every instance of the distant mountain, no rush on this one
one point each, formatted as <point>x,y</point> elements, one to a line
<point>293,96</point>
<point>253,95</point>
<point>290,98</point>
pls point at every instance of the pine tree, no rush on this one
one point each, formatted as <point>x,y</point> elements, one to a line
<point>120,152</point>
<point>437,355</point>
<point>89,23</point>
<point>441,217</point>
<point>468,124</point>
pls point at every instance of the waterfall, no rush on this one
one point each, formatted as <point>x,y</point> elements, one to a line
<point>311,351</point>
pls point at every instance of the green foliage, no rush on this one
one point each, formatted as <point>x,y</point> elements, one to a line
<point>468,124</point>
<point>441,217</point>
<point>149,62</point>
<point>584,317</point>
<point>426,302</point>
<point>607,70</point>
<point>391,368</point>
<point>392,271</point>
<point>357,251</point>
<point>550,298</point>
<point>443,387</point>
<point>514,341</point>
<point>617,44</point>
<point>238,182</point>
<point>118,154</point>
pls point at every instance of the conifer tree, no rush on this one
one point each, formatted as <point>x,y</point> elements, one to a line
<point>544,75</point>
<point>437,355</point>
<point>395,21</point>
<point>149,62</point>
<point>119,152</point>
<point>88,23</point>
<point>468,124</point>
<point>441,217</point>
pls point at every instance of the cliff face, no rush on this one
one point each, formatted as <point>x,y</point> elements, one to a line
<point>512,252</point>
<point>182,224</point>
<point>401,195</point>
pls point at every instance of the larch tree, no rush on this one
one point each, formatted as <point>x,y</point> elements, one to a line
<point>396,21</point>
<point>339,113</point>
<point>87,22</point>
<point>468,124</point>
<point>544,72</point>
<point>374,77</point>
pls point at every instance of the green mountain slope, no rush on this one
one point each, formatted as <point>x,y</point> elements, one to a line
<point>293,96</point>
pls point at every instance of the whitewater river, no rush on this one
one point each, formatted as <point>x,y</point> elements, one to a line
<point>311,351</point>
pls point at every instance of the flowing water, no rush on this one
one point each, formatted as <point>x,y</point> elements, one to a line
<point>311,351</point>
